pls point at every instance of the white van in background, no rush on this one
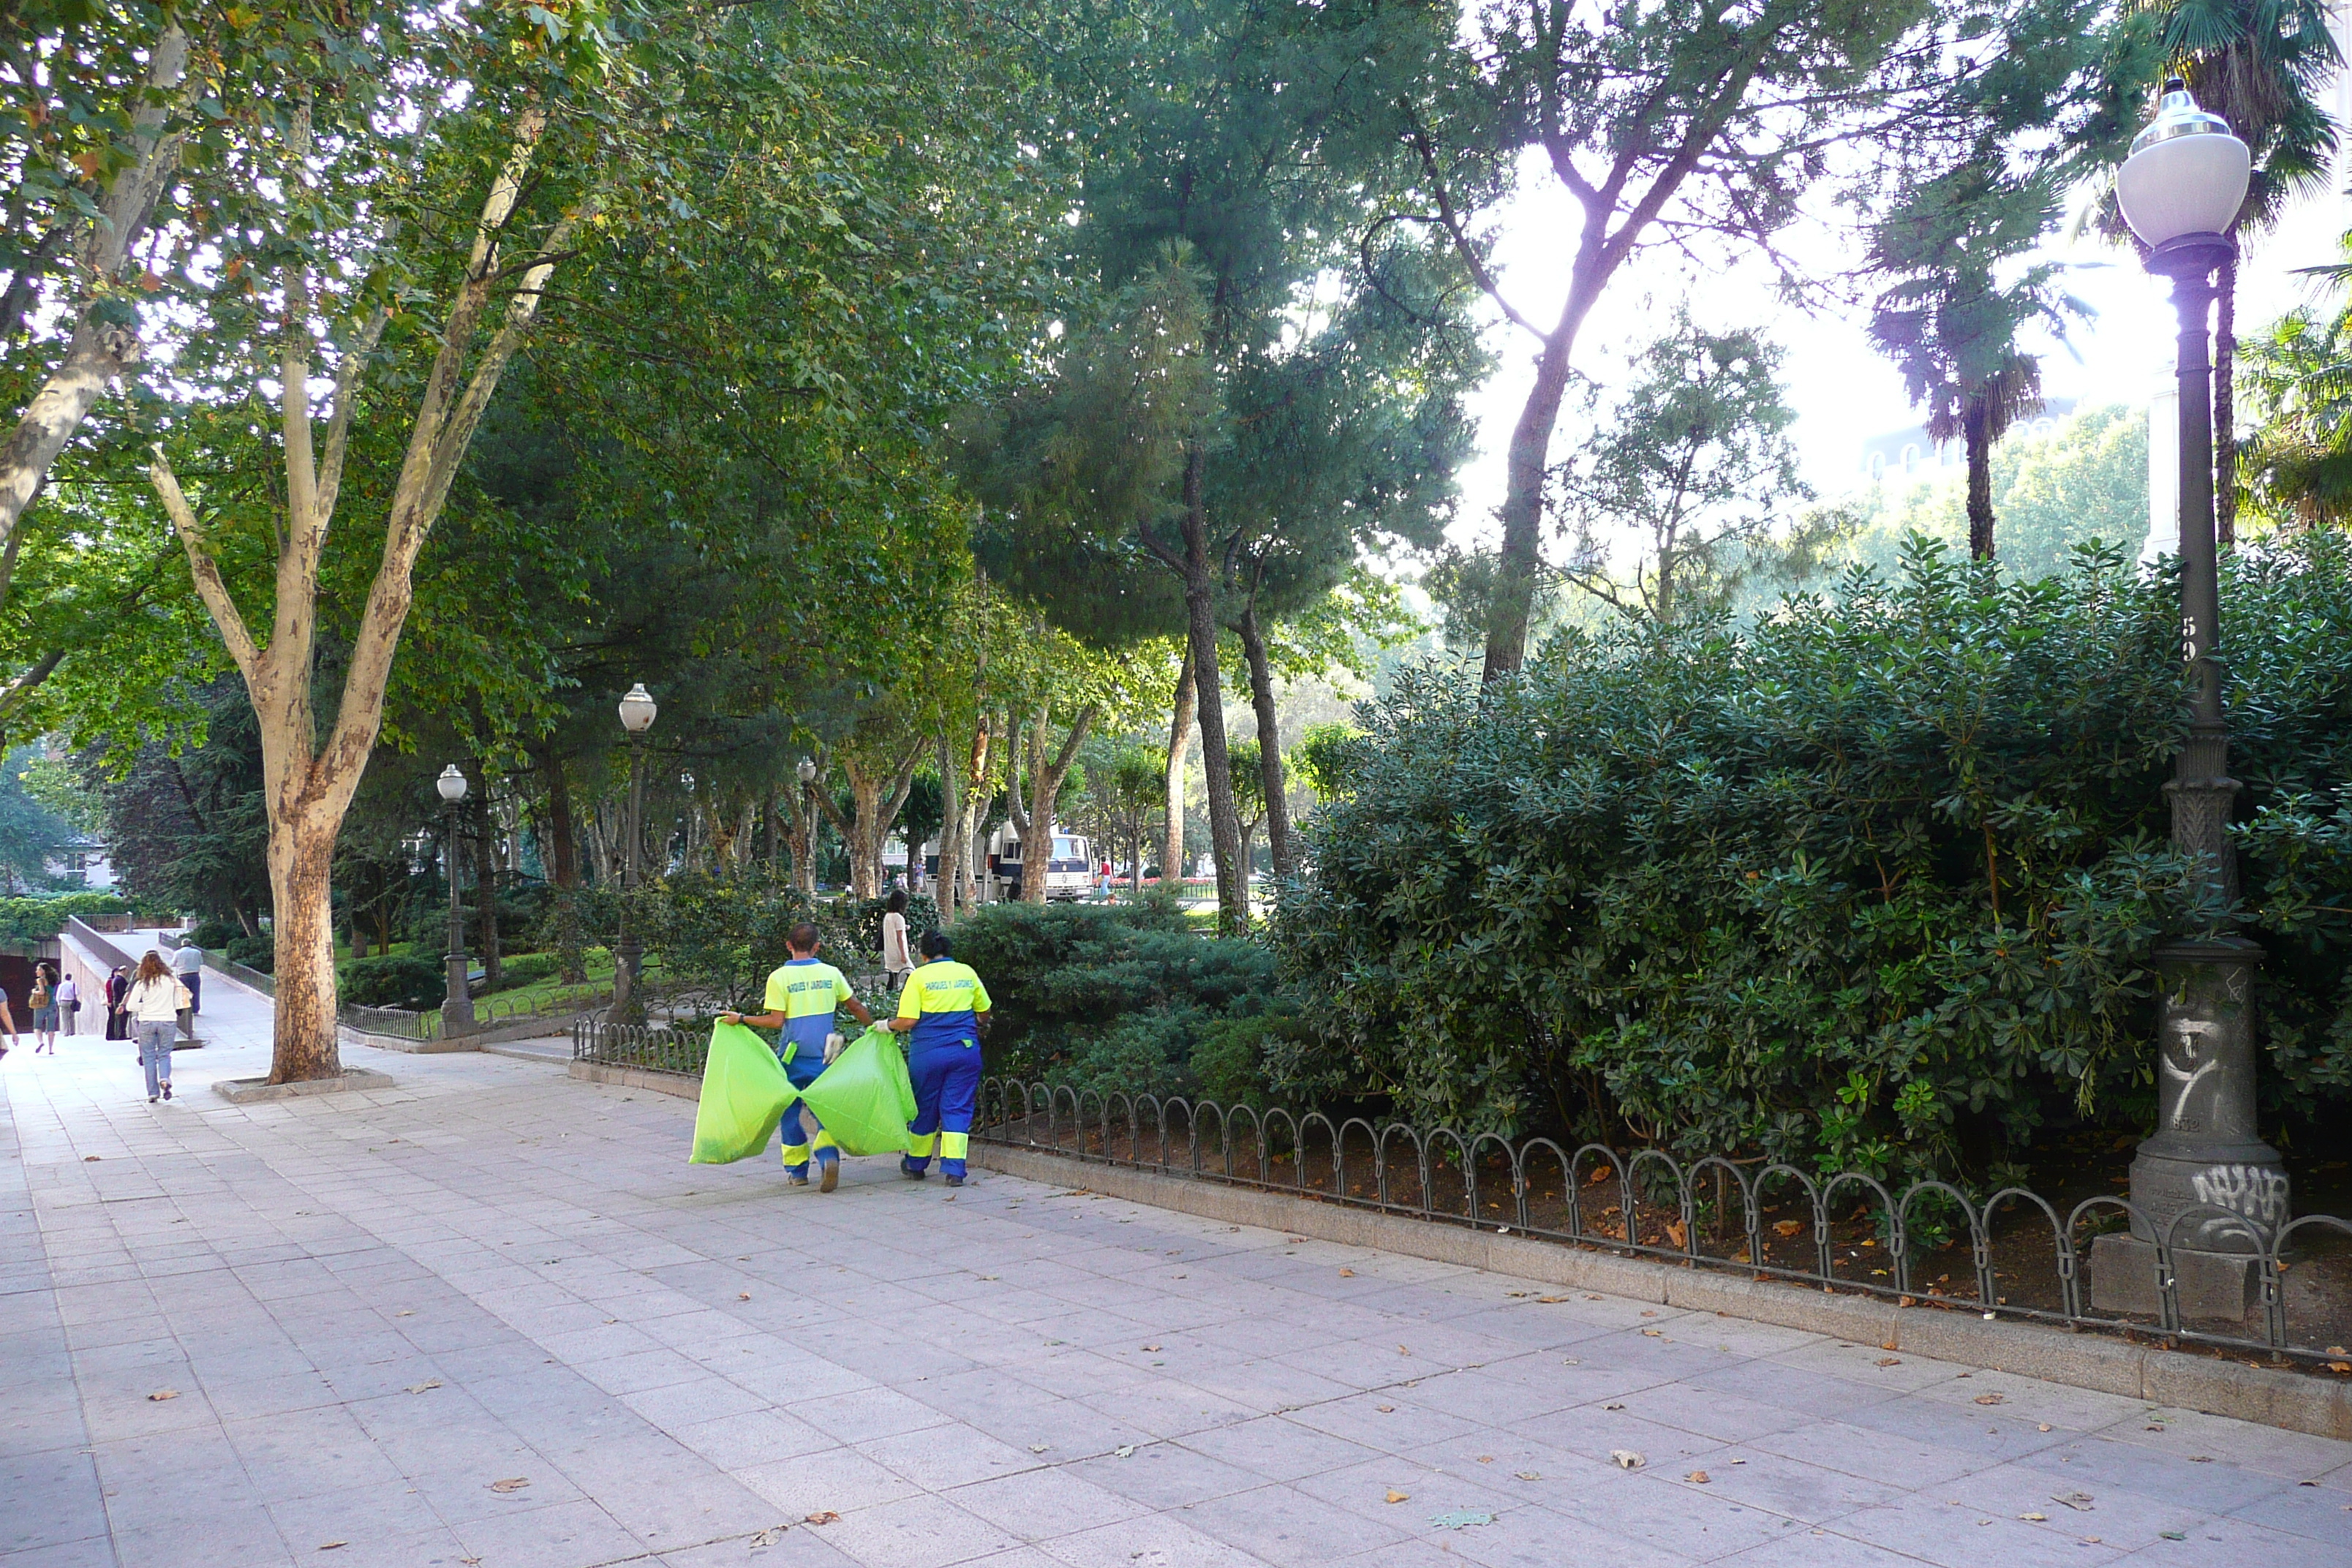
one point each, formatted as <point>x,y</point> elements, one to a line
<point>1069,867</point>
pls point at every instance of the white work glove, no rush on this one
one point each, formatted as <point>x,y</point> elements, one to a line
<point>833,1044</point>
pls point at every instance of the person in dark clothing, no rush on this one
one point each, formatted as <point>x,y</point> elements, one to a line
<point>118,1018</point>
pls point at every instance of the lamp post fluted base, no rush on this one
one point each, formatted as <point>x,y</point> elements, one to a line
<point>2204,1184</point>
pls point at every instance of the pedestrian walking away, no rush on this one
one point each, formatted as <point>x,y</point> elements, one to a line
<point>940,1011</point>
<point>804,997</point>
<point>69,1003</point>
<point>897,957</point>
<point>117,1020</point>
<point>188,969</point>
<point>45,1009</point>
<point>154,1003</point>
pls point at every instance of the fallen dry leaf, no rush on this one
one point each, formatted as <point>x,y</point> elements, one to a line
<point>1677,1234</point>
<point>1551,1300</point>
<point>2079,1501</point>
<point>771,1536</point>
<point>1037,1447</point>
<point>1627,1459</point>
<point>1613,1408</point>
<point>160,1394</point>
<point>1152,1347</point>
<point>1993,1399</point>
<point>1385,1409</point>
<point>1347,1274</point>
<point>1788,1226</point>
<point>1652,1333</point>
<point>1124,1451</point>
<point>1696,1477</point>
<point>331,1545</point>
<point>1890,1361</point>
<point>90,1158</point>
<point>1600,1174</point>
<point>430,1383</point>
<point>742,1294</point>
<point>1399,1497</point>
<point>1527,1474</point>
<point>827,1516</point>
<point>2044,1427</point>
<point>2036,1517</point>
<point>2340,1366</point>
<point>510,1485</point>
<point>1401,1350</point>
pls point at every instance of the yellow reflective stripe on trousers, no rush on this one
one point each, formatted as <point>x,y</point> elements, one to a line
<point>952,1145</point>
<point>922,1144</point>
<point>797,1153</point>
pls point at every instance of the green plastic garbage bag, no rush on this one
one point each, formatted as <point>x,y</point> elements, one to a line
<point>744,1095</point>
<point>865,1099</point>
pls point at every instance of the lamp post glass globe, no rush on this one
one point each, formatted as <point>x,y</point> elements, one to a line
<point>807,771</point>
<point>638,709</point>
<point>2187,173</point>
<point>451,784</point>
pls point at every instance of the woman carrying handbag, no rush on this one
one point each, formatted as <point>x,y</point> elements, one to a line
<point>154,1003</point>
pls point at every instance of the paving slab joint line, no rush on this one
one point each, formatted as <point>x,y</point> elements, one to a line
<point>2269,1397</point>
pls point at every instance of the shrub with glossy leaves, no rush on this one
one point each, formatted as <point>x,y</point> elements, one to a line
<point>1874,883</point>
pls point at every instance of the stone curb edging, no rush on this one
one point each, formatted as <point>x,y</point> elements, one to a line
<point>250,1091</point>
<point>2271,1396</point>
<point>672,1083</point>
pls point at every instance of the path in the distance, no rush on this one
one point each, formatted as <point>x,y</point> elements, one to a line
<point>492,1317</point>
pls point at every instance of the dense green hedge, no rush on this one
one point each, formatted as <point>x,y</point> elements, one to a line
<point>30,920</point>
<point>1128,997</point>
<point>1874,883</point>
<point>391,980</point>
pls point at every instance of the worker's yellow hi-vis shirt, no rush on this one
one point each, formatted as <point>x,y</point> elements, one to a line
<point>808,992</point>
<point>944,999</point>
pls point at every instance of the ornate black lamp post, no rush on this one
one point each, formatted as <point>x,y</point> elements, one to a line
<point>457,1004</point>
<point>637,712</point>
<point>2204,1182</point>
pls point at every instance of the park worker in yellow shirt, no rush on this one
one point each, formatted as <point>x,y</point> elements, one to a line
<point>802,997</point>
<point>941,1008</point>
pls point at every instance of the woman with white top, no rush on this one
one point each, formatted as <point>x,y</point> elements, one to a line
<point>155,1003</point>
<point>895,957</point>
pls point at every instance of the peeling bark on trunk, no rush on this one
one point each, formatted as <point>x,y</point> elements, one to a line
<point>1279,841</point>
<point>308,780</point>
<point>99,351</point>
<point>1179,746</point>
<point>303,1043</point>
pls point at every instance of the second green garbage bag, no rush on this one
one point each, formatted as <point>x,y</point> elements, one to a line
<point>864,1099</point>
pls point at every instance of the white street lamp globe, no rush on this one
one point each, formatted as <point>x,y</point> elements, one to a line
<point>638,710</point>
<point>2187,173</point>
<point>807,771</point>
<point>451,784</point>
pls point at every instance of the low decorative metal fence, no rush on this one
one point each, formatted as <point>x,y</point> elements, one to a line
<point>651,1048</point>
<point>2010,1253</point>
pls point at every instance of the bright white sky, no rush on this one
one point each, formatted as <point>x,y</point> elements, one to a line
<point>1843,391</point>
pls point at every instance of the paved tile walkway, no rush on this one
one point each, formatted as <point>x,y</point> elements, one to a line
<point>490,1319</point>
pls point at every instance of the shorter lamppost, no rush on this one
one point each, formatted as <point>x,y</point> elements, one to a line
<point>806,866</point>
<point>637,713</point>
<point>457,1004</point>
<point>2204,1186</point>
